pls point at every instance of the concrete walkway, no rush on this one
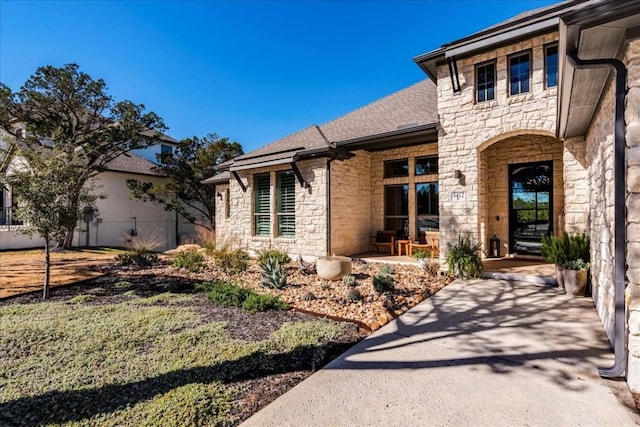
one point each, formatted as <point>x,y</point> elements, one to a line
<point>478,353</point>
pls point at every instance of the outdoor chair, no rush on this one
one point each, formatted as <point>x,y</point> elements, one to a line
<point>385,239</point>
<point>429,241</point>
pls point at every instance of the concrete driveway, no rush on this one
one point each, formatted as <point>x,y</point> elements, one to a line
<point>478,353</point>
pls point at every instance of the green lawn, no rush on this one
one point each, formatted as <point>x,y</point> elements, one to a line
<point>139,361</point>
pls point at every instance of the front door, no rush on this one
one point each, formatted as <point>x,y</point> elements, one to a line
<point>530,206</point>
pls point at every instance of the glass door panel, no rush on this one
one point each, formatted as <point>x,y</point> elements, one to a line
<point>531,195</point>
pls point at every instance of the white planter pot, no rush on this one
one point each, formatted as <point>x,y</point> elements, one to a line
<point>333,267</point>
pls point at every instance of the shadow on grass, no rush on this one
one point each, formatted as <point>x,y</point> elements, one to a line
<point>77,405</point>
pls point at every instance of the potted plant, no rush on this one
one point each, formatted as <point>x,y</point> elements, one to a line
<point>463,259</point>
<point>553,251</point>
<point>576,263</point>
<point>421,256</point>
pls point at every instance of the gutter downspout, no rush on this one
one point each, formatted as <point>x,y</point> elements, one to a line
<point>619,342</point>
<point>335,156</point>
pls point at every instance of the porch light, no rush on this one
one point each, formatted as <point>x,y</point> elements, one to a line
<point>494,247</point>
<point>457,173</point>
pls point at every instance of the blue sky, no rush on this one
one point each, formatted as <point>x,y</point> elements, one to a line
<point>253,71</point>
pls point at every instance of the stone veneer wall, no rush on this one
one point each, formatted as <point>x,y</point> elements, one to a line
<point>632,118</point>
<point>351,205</point>
<point>466,125</point>
<point>599,155</point>
<point>378,181</point>
<point>311,213</point>
<point>494,187</point>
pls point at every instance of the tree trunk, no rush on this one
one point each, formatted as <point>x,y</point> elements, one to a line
<point>47,267</point>
<point>67,243</point>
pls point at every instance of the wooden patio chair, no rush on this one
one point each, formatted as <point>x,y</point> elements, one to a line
<point>384,238</point>
<point>427,241</point>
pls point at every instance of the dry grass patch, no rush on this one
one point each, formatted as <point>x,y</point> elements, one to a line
<point>23,271</point>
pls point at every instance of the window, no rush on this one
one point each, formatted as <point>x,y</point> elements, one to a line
<point>396,168</point>
<point>485,82</point>
<point>227,205</point>
<point>426,165</point>
<point>519,72</point>
<point>262,206</point>
<point>427,207</point>
<point>166,149</point>
<point>396,208</point>
<point>551,65</point>
<point>286,204</point>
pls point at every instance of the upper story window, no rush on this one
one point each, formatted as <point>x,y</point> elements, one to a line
<point>426,165</point>
<point>519,73</point>
<point>166,149</point>
<point>551,65</point>
<point>262,206</point>
<point>396,168</point>
<point>486,82</point>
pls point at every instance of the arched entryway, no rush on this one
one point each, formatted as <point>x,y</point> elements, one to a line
<point>521,195</point>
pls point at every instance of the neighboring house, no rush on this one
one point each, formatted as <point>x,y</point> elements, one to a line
<point>166,146</point>
<point>527,136</point>
<point>118,221</point>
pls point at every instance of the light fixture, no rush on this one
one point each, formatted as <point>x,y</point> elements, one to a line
<point>219,194</point>
<point>457,173</point>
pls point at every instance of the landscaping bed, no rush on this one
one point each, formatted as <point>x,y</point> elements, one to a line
<point>331,298</point>
<point>141,349</point>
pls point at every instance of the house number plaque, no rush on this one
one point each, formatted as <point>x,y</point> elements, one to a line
<point>458,196</point>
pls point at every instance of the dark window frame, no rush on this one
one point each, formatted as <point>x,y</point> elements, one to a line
<point>403,217</point>
<point>430,172</point>
<point>546,64</point>
<point>511,57</point>
<point>260,215</point>
<point>286,212</point>
<point>386,170</point>
<point>432,214</point>
<point>485,90</point>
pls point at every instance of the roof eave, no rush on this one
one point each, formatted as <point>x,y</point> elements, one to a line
<point>377,141</point>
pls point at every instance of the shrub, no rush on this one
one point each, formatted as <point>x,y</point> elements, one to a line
<point>463,259</point>
<point>189,260</point>
<point>354,295</point>
<point>229,294</point>
<point>256,302</point>
<point>280,256</point>
<point>383,282</point>
<point>565,250</point>
<point>135,256</point>
<point>122,284</point>
<point>350,280</point>
<point>325,285</point>
<point>225,293</point>
<point>234,262</point>
<point>273,275</point>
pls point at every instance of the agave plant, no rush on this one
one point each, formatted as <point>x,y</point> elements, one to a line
<point>273,275</point>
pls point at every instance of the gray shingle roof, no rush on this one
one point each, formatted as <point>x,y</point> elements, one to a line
<point>132,163</point>
<point>411,107</point>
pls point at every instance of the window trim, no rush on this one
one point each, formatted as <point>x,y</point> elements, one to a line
<point>495,79</point>
<point>530,61</point>
<point>545,49</point>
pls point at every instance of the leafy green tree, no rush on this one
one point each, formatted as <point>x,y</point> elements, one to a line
<point>193,161</point>
<point>43,200</point>
<point>66,111</point>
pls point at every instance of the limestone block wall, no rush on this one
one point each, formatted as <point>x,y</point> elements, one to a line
<point>494,185</point>
<point>311,213</point>
<point>599,155</point>
<point>378,181</point>
<point>351,204</point>
<point>632,118</point>
<point>575,218</point>
<point>466,125</point>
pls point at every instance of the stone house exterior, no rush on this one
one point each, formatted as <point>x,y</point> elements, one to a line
<point>529,127</point>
